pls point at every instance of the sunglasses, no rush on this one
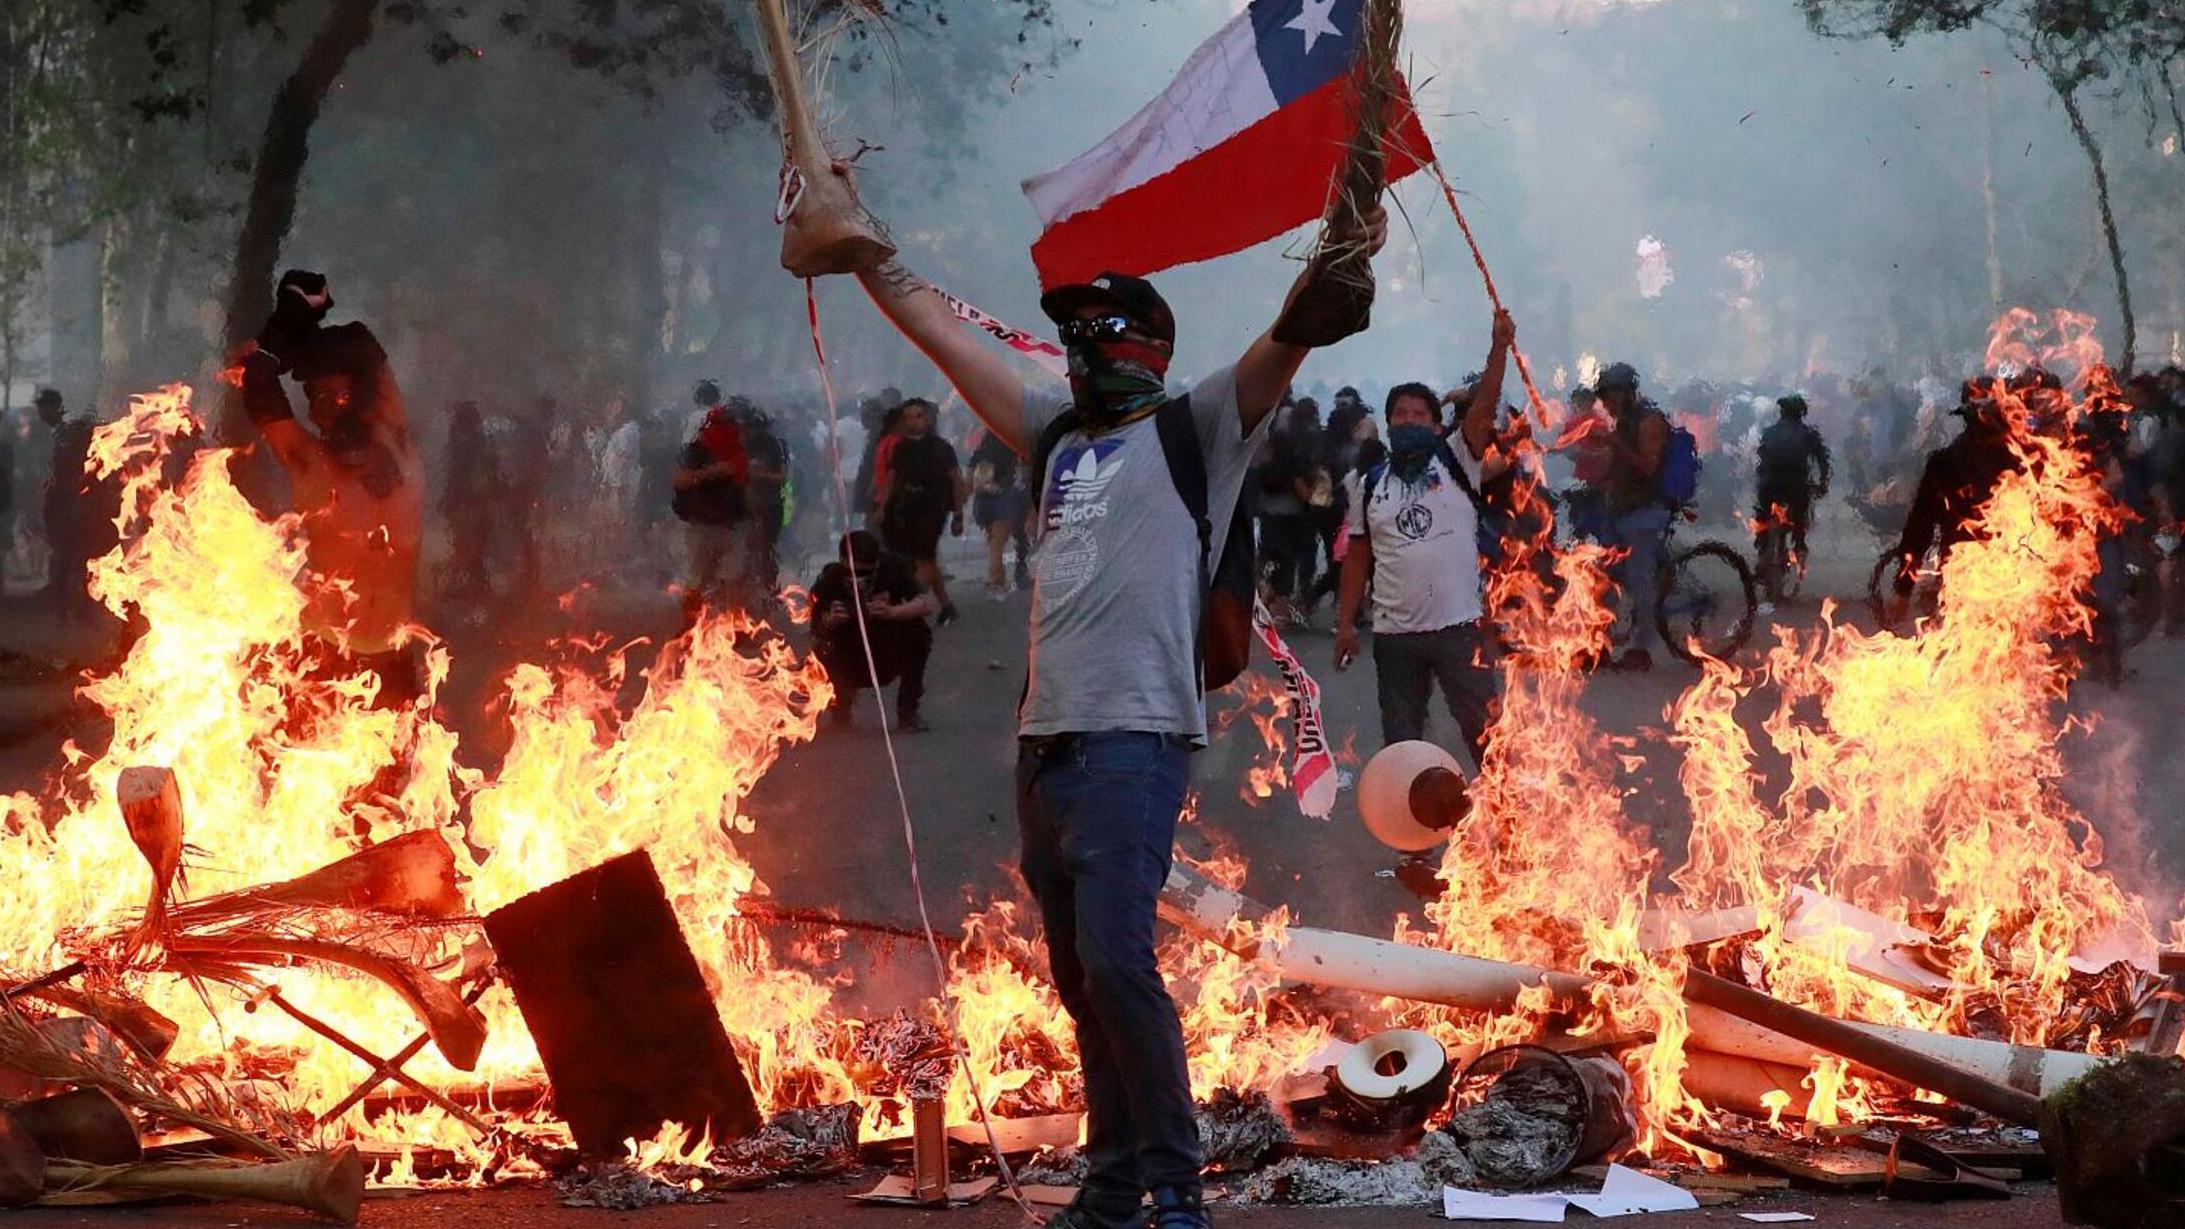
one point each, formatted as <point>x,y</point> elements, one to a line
<point>1098,328</point>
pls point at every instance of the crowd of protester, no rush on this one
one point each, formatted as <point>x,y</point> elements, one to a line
<point>723,494</point>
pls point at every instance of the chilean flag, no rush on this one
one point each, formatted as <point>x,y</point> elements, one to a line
<point>1241,146</point>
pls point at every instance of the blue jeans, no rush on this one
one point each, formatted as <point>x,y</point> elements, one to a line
<point>1097,813</point>
<point>1640,533</point>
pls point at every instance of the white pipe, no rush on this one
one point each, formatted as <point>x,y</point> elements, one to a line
<point>1430,975</point>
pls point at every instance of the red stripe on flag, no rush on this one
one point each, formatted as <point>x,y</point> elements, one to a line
<point>1257,184</point>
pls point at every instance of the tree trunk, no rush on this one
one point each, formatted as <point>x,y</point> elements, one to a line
<point>281,155</point>
<point>2069,94</point>
<point>1987,193</point>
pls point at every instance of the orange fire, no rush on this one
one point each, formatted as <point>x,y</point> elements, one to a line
<point>1921,787</point>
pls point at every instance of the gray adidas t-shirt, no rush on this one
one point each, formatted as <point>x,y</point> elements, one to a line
<point>1115,594</point>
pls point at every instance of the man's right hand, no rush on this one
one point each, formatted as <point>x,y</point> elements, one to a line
<point>1346,646</point>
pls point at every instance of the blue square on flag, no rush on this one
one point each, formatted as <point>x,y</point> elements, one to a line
<point>1304,44</point>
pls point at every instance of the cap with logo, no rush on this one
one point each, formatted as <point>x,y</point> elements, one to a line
<point>1134,297</point>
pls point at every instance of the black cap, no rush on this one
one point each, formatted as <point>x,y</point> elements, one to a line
<point>47,396</point>
<point>706,393</point>
<point>1793,404</point>
<point>1617,375</point>
<point>1132,296</point>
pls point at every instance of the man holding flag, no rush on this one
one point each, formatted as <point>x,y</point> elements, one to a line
<point>1129,489</point>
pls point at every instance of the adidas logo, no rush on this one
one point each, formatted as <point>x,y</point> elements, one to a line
<point>1088,478</point>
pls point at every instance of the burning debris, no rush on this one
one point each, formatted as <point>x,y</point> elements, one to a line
<point>308,881</point>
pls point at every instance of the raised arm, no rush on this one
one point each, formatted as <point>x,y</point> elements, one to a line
<point>982,377</point>
<point>1478,423</point>
<point>1268,366</point>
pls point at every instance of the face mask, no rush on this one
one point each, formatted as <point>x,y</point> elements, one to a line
<point>1111,379</point>
<point>1410,447</point>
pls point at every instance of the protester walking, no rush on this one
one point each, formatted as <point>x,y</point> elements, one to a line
<point>922,491</point>
<point>710,480</point>
<point>997,508</point>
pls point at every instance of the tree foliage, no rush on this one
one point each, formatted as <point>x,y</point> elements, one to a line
<point>2138,45</point>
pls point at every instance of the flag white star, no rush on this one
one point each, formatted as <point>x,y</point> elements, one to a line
<point>1313,21</point>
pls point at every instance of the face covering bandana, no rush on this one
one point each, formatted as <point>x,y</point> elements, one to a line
<point>1116,378</point>
<point>1410,447</point>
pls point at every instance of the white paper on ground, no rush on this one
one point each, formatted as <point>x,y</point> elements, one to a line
<point>1774,1218</point>
<point>1475,1205</point>
<point>1627,1192</point>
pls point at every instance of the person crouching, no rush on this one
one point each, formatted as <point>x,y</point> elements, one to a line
<point>896,608</point>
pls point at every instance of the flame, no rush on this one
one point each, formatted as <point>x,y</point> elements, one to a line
<point>1920,785</point>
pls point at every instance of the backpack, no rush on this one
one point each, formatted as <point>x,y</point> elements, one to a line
<point>1678,480</point>
<point>1228,571</point>
<point>1784,454</point>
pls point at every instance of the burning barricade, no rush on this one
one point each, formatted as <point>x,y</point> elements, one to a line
<point>276,936</point>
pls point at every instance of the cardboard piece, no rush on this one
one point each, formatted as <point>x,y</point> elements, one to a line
<point>896,1189</point>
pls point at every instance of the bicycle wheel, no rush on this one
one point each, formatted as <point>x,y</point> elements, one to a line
<point>1881,598</point>
<point>1900,614</point>
<point>1706,604</point>
<point>1779,571</point>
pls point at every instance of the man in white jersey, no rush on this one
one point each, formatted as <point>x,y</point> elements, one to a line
<point>1414,538</point>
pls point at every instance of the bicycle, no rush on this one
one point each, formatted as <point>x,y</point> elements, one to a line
<point>1896,610</point>
<point>1704,599</point>
<point>2139,610</point>
<point>1704,602</point>
<point>1779,566</point>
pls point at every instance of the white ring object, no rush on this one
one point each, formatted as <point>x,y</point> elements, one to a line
<point>1384,794</point>
<point>1421,1059</point>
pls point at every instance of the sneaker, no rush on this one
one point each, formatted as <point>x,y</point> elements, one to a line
<point>911,723</point>
<point>1084,1213</point>
<point>1767,608</point>
<point>1174,1209</point>
<point>999,593</point>
<point>947,615</point>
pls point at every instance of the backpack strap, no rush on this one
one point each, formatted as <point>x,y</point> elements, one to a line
<point>1180,447</point>
<point>1044,447</point>
<point>1179,433</point>
<point>1448,457</point>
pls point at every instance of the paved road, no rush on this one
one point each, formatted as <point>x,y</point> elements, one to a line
<point>826,1204</point>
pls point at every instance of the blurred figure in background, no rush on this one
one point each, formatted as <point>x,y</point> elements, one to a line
<point>356,474</point>
<point>710,483</point>
<point>922,490</point>
<point>998,507</point>
<point>769,492</point>
<point>470,495</point>
<point>73,533</point>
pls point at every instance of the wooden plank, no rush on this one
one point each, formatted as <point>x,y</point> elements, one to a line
<point>1831,1167</point>
<point>626,1029</point>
